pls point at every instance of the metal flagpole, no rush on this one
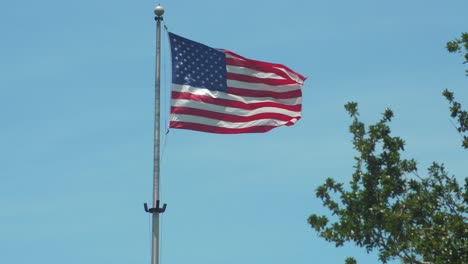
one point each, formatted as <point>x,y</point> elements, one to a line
<point>156,210</point>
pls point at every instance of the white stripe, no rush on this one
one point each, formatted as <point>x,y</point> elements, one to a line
<point>231,110</point>
<point>263,87</point>
<point>290,74</point>
<point>219,123</point>
<point>254,73</point>
<point>223,95</point>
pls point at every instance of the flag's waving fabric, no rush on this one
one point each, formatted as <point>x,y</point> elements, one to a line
<point>218,91</point>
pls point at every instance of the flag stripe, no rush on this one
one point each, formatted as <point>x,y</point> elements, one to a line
<point>219,130</point>
<point>254,64</point>
<point>230,117</point>
<point>244,102</point>
<point>230,103</point>
<point>227,124</point>
<point>232,110</point>
<point>259,68</point>
<point>252,79</point>
<point>274,95</point>
<point>263,87</point>
<point>251,72</point>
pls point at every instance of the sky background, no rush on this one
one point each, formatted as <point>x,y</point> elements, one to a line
<point>76,130</point>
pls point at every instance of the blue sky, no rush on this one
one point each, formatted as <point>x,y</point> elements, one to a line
<point>76,111</point>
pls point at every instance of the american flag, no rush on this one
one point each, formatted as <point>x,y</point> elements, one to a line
<point>218,91</point>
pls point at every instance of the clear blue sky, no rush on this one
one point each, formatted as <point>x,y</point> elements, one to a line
<point>76,111</point>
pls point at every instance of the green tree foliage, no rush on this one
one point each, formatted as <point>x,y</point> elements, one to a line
<point>388,206</point>
<point>460,115</point>
<point>459,46</point>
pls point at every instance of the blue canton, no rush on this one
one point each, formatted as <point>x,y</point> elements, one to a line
<point>197,65</point>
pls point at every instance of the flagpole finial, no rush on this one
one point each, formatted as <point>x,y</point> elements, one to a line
<point>159,11</point>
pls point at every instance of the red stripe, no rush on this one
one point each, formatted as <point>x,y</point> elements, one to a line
<point>256,93</point>
<point>231,103</point>
<point>219,130</point>
<point>245,64</point>
<point>262,64</point>
<point>230,117</point>
<point>252,79</point>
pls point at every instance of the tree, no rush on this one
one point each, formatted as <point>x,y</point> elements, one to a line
<point>459,46</point>
<point>389,206</point>
<point>461,115</point>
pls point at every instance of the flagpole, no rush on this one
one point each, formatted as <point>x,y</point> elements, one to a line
<point>156,210</point>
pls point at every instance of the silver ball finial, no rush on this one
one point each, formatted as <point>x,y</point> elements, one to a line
<point>159,11</point>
